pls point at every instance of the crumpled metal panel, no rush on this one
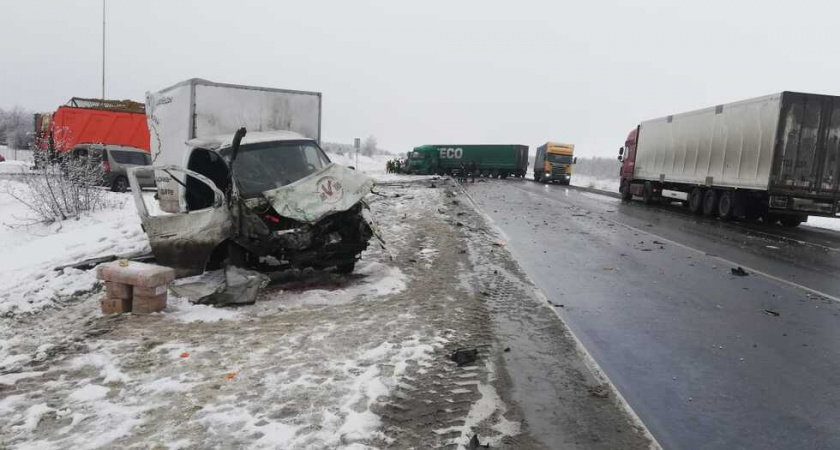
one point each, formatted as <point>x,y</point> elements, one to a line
<point>330,190</point>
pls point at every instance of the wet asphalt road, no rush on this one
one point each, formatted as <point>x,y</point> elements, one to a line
<point>698,352</point>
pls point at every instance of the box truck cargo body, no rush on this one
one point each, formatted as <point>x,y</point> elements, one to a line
<point>490,160</point>
<point>198,108</point>
<point>776,157</point>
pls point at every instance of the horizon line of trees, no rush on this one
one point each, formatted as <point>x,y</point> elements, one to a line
<point>16,127</point>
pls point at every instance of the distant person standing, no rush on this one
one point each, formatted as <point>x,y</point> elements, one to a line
<point>473,170</point>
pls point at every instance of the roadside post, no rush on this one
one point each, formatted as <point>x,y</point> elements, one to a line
<point>357,143</point>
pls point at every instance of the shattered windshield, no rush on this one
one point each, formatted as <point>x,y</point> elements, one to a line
<point>416,155</point>
<point>265,166</point>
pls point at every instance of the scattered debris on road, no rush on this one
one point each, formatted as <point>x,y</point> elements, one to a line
<point>464,356</point>
<point>739,271</point>
<point>475,444</point>
<point>229,286</point>
<point>771,312</point>
<point>600,391</point>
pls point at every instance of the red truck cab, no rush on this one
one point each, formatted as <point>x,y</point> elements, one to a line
<point>627,156</point>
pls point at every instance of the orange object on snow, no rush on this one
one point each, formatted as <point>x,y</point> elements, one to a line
<point>185,355</point>
<point>230,375</point>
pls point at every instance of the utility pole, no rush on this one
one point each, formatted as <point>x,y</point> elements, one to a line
<point>103,49</point>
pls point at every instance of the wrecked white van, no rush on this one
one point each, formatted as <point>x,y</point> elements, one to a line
<point>268,199</point>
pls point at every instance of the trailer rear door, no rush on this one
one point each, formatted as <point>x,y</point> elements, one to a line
<point>807,157</point>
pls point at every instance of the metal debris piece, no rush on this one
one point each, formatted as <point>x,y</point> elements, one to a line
<point>770,312</point>
<point>475,444</point>
<point>231,286</point>
<point>739,271</point>
<point>600,391</point>
<point>464,356</point>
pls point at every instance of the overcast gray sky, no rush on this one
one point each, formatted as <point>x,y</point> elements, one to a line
<point>434,71</point>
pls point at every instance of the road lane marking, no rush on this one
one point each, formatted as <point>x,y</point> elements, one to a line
<point>742,227</point>
<point>692,249</point>
<point>589,361</point>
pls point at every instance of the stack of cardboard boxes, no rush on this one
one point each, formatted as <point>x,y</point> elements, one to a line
<point>134,287</point>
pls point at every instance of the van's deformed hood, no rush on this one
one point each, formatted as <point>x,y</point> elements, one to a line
<point>330,190</point>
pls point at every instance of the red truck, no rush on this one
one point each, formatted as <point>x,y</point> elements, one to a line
<point>775,157</point>
<point>93,121</point>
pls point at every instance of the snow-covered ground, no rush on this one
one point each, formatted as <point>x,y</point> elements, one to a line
<point>29,251</point>
<point>823,222</point>
<point>311,365</point>
<point>14,167</point>
<point>602,184</point>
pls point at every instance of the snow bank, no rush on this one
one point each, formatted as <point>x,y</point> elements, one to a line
<point>372,166</point>
<point>14,167</point>
<point>823,222</point>
<point>30,251</point>
<point>602,184</point>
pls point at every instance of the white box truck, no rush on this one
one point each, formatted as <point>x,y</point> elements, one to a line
<point>241,179</point>
<point>775,157</point>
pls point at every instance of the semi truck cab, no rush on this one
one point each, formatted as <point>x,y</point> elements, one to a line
<point>422,160</point>
<point>553,163</point>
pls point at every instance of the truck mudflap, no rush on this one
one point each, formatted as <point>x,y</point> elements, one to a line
<point>333,189</point>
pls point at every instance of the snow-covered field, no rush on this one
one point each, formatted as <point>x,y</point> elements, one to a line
<point>14,167</point>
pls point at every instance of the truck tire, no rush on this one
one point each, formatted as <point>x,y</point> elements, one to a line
<point>695,201</point>
<point>710,203</point>
<point>120,184</point>
<point>345,268</point>
<point>726,205</point>
<point>626,195</point>
<point>791,221</point>
<point>647,194</point>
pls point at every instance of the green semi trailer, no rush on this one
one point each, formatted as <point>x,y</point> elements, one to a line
<point>497,161</point>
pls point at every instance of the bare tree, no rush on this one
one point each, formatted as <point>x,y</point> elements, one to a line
<point>64,186</point>
<point>369,146</point>
<point>16,125</point>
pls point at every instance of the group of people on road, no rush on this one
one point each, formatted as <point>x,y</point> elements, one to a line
<point>396,166</point>
<point>466,170</point>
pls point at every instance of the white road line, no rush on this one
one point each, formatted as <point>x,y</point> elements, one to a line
<point>686,247</point>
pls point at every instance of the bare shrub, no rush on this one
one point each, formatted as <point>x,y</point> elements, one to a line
<point>63,187</point>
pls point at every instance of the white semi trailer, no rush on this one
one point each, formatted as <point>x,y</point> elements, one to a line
<point>776,157</point>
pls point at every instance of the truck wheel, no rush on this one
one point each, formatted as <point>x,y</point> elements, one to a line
<point>791,221</point>
<point>647,193</point>
<point>726,205</point>
<point>710,203</point>
<point>120,184</point>
<point>626,195</point>
<point>695,201</point>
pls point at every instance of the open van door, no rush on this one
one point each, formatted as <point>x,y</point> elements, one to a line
<point>186,239</point>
